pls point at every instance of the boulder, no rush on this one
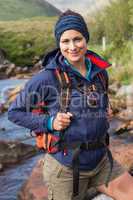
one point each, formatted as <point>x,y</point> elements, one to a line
<point>123,153</point>
<point>126,114</point>
<point>125,127</point>
<point>10,70</point>
<point>35,188</point>
<point>8,95</point>
<point>14,152</point>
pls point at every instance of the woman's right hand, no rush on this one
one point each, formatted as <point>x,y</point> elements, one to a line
<point>62,121</point>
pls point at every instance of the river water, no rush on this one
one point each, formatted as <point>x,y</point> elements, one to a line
<point>12,179</point>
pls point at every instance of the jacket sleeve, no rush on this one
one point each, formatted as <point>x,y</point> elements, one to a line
<point>20,111</point>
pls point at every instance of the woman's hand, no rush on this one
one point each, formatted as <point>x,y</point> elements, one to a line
<point>62,121</point>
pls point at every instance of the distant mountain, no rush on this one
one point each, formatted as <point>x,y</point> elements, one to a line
<point>20,9</point>
<point>85,7</point>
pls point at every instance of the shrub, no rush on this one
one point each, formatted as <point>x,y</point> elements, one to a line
<point>23,40</point>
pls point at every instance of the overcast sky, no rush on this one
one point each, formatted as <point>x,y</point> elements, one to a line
<point>83,6</point>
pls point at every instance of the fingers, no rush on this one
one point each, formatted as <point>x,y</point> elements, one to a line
<point>62,121</point>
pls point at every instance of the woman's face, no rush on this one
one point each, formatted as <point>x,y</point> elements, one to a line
<point>73,46</point>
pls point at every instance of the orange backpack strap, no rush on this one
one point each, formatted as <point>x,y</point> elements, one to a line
<point>48,141</point>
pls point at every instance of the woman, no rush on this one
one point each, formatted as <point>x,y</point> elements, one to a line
<point>82,155</point>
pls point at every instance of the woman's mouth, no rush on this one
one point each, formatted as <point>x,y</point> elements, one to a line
<point>74,54</point>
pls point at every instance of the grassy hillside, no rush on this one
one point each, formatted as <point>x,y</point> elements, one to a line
<point>20,9</point>
<point>23,40</point>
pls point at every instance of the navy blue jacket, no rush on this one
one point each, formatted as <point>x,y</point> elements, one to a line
<point>88,124</point>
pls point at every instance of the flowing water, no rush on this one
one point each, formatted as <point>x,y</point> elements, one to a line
<point>12,178</point>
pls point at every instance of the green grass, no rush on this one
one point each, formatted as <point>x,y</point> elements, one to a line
<point>23,40</point>
<point>20,9</point>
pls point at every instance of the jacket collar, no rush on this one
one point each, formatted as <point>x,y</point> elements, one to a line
<point>97,60</point>
<point>55,59</point>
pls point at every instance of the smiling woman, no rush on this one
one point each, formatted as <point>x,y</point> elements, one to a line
<point>71,95</point>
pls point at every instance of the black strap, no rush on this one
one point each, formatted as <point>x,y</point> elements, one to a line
<point>109,154</point>
<point>75,166</point>
<point>89,146</point>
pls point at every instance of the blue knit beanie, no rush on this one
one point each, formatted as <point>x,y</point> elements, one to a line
<point>68,22</point>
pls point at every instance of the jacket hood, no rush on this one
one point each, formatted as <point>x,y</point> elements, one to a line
<point>55,58</point>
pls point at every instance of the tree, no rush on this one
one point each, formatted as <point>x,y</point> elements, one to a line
<point>116,21</point>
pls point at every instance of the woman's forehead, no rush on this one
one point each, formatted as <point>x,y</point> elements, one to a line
<point>70,34</point>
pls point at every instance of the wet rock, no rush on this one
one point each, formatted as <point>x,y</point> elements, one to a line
<point>8,95</point>
<point>10,70</point>
<point>14,152</point>
<point>25,69</point>
<point>37,67</point>
<point>18,70</point>
<point>35,188</point>
<point>3,68</point>
<point>13,93</point>
<point>126,126</point>
<point>126,114</point>
<point>122,98</point>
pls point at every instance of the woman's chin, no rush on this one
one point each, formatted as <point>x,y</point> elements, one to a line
<point>74,59</point>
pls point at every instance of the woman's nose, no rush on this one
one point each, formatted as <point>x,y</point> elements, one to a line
<point>72,45</point>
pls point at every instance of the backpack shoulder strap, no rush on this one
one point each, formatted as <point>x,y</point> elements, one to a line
<point>65,85</point>
<point>103,81</point>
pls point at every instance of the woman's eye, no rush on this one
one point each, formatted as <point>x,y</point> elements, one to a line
<point>77,39</point>
<point>65,41</point>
